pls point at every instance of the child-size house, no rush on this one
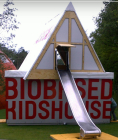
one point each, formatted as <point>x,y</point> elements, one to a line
<point>62,52</point>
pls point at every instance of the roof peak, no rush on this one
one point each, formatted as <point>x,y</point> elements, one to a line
<point>70,7</point>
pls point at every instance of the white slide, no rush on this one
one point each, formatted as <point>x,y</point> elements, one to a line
<point>87,127</point>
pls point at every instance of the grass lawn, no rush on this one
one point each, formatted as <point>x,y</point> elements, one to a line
<point>43,132</point>
<point>3,114</point>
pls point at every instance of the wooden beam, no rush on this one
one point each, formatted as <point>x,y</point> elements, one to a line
<point>43,74</point>
<point>65,45</point>
<point>83,55</point>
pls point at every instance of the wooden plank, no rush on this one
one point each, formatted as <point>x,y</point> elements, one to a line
<point>51,74</point>
<point>65,45</point>
<point>83,55</point>
<point>69,31</point>
<point>77,43</point>
<point>76,136</point>
<point>2,120</point>
<point>69,40</point>
<point>54,51</point>
<point>43,74</point>
<point>85,70</point>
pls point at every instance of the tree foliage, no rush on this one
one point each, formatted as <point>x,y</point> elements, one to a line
<point>105,38</point>
<point>17,57</point>
<point>8,24</point>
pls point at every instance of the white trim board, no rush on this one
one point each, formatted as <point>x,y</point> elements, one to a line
<point>92,75</point>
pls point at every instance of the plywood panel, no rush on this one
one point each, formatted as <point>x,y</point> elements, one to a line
<point>48,59</point>
<point>89,62</point>
<point>76,58</point>
<point>43,74</point>
<point>76,35</point>
<point>62,34</point>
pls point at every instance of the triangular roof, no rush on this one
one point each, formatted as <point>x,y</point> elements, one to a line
<point>65,28</point>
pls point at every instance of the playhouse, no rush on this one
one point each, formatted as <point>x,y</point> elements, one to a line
<point>34,92</point>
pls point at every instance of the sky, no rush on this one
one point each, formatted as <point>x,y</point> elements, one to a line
<point>33,14</point>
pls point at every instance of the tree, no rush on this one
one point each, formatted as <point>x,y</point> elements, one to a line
<point>16,57</point>
<point>8,24</point>
<point>105,38</point>
<point>20,56</point>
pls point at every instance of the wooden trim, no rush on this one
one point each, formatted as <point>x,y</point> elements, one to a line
<point>51,74</point>
<point>83,55</point>
<point>69,31</point>
<point>43,74</point>
<point>69,43</point>
<point>54,50</point>
<point>85,70</point>
<point>53,41</point>
<point>77,43</point>
<point>64,45</point>
<point>85,42</point>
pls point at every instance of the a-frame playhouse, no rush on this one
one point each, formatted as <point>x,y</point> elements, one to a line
<point>64,29</point>
<point>62,62</point>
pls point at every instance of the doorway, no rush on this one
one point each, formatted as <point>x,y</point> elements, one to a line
<point>62,58</point>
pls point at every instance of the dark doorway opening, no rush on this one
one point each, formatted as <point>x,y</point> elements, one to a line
<point>62,58</point>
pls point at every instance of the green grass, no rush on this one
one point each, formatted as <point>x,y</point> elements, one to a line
<point>43,132</point>
<point>110,128</point>
<point>3,114</point>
